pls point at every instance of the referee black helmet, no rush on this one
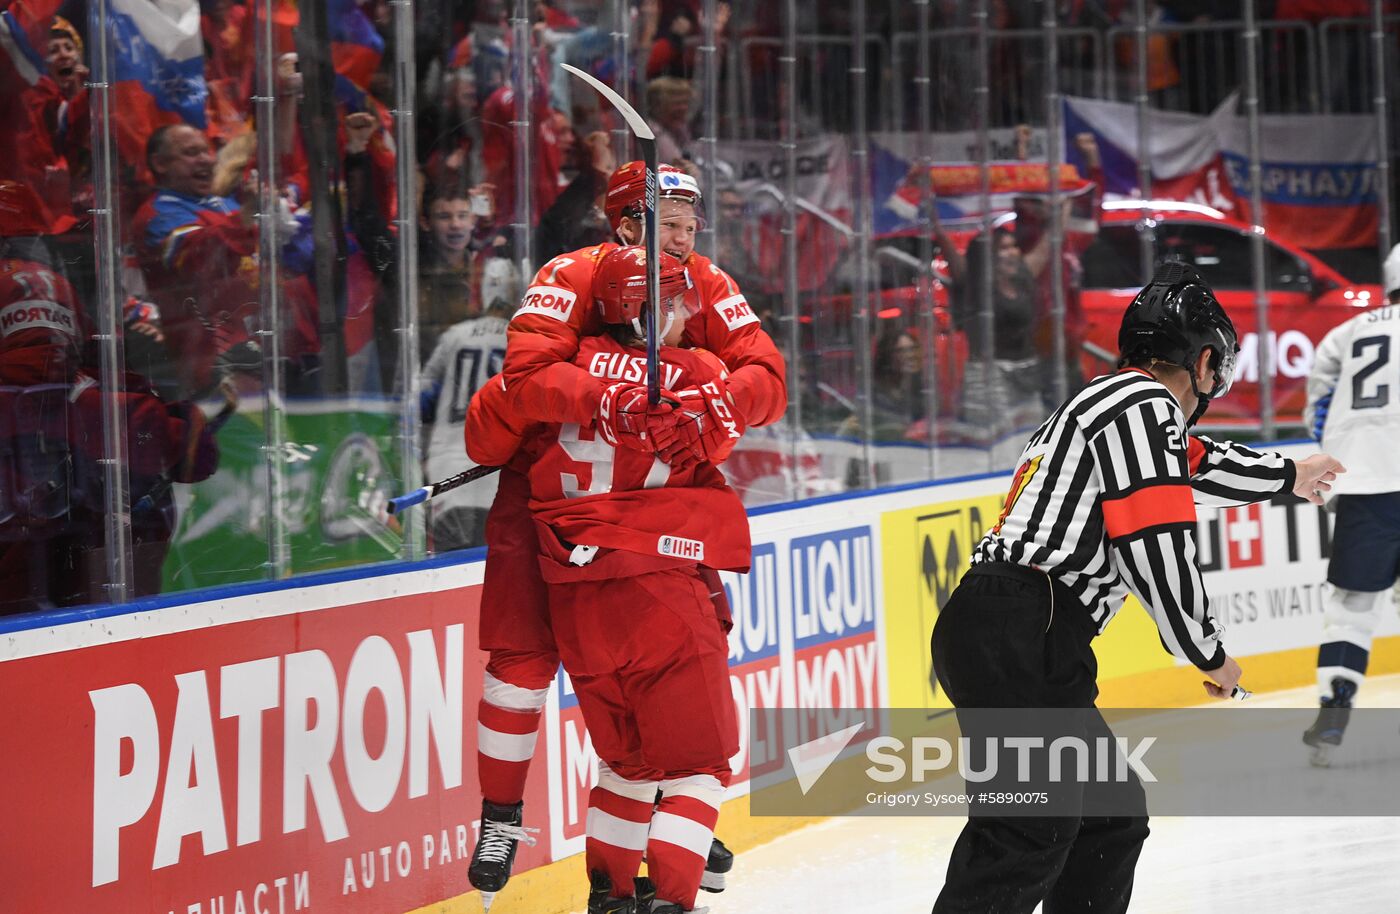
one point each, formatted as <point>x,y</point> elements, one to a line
<point>1174,319</point>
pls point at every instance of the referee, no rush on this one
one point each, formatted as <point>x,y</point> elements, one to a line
<point>1103,503</point>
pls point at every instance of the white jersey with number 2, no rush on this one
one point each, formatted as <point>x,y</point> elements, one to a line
<point>1358,363</point>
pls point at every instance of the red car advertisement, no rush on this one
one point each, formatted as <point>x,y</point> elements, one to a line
<point>1306,298</point>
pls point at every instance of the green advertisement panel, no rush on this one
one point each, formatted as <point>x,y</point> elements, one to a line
<point>339,468</point>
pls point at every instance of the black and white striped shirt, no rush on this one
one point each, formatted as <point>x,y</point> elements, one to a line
<point>1104,500</point>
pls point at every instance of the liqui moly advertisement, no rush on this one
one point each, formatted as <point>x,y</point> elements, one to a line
<point>804,635</point>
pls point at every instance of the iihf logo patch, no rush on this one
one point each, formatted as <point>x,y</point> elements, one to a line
<point>670,181</point>
<point>681,548</point>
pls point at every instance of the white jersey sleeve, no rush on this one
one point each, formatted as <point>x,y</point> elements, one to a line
<point>1326,369</point>
<point>1359,362</point>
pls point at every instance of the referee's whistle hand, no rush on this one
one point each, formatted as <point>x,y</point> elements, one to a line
<point>1226,677</point>
<point>1314,476</point>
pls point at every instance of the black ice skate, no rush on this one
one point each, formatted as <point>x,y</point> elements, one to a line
<point>501,834</point>
<point>600,897</point>
<point>647,902</point>
<point>717,867</point>
<point>1325,735</point>
<point>671,907</point>
<point>646,894</point>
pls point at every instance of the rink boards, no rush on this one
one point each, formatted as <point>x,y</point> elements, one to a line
<point>311,747</point>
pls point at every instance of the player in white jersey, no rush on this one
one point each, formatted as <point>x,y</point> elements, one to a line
<point>466,355</point>
<point>1354,410</point>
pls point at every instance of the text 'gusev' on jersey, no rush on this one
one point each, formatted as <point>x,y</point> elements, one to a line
<point>591,493</point>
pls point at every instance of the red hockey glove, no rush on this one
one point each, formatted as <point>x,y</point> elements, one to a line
<point>707,426</point>
<point>625,419</point>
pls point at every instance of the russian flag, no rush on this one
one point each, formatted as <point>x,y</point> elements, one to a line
<point>1182,147</point>
<point>1319,181</point>
<point>157,69</point>
<point>356,49</point>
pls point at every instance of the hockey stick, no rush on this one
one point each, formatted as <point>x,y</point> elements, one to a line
<point>647,140</point>
<point>418,496</point>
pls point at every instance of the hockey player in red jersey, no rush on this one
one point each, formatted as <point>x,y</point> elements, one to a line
<point>543,383</point>
<point>545,332</point>
<point>622,536</point>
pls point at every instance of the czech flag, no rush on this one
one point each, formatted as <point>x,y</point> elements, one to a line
<point>157,69</point>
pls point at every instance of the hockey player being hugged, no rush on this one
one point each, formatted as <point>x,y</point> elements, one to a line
<point>543,383</point>
<point>1354,411</point>
<point>624,533</point>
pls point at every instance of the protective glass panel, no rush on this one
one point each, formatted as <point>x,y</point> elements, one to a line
<point>307,224</point>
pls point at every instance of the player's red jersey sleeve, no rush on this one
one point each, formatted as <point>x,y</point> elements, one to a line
<point>727,326</point>
<point>541,380</point>
<point>494,432</point>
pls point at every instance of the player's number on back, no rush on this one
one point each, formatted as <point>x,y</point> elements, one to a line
<point>553,268</point>
<point>583,446</point>
<point>1379,396</point>
<point>470,377</point>
<point>28,279</point>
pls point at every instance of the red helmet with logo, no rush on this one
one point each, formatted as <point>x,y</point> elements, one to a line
<point>627,189</point>
<point>45,316</point>
<point>620,283</point>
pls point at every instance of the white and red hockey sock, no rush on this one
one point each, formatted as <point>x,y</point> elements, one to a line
<point>619,815</point>
<point>508,726</point>
<point>681,831</point>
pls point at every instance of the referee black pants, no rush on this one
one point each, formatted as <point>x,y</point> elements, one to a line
<point>1010,638</point>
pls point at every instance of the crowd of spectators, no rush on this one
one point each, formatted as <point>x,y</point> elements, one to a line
<point>208,248</point>
<point>198,242</point>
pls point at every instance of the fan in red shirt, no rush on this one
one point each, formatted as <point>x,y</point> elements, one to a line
<point>51,435</point>
<point>541,382</point>
<point>28,95</point>
<point>623,535</point>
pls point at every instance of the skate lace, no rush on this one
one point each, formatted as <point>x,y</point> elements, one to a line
<point>497,838</point>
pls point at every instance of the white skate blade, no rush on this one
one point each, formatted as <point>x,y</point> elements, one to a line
<point>486,899</point>
<point>1321,756</point>
<point>712,882</point>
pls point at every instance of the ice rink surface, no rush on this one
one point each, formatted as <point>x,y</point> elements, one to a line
<point>895,865</point>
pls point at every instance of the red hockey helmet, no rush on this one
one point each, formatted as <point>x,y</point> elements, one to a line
<point>47,316</point>
<point>627,189</point>
<point>620,284</point>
